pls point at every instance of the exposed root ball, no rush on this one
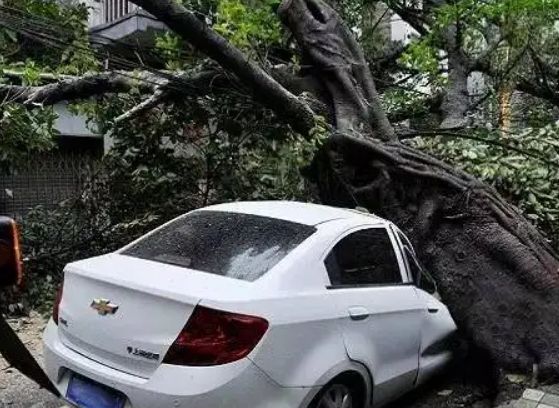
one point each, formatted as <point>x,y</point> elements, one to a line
<point>497,274</point>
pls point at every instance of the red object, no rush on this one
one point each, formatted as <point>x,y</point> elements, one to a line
<point>56,306</point>
<point>18,259</point>
<point>214,337</point>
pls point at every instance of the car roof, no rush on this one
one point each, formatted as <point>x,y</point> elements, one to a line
<point>302,213</point>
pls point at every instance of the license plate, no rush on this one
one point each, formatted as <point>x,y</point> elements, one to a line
<point>88,394</point>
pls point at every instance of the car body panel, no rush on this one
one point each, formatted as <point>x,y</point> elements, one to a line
<point>438,328</point>
<point>303,341</point>
<point>388,339</point>
<point>385,337</point>
<point>302,213</point>
<point>437,338</point>
<point>176,387</point>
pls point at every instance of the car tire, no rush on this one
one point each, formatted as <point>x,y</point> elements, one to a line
<point>338,394</point>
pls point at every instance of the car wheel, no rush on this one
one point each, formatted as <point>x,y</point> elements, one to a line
<point>335,395</point>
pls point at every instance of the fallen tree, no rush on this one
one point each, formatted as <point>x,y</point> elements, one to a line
<point>496,272</point>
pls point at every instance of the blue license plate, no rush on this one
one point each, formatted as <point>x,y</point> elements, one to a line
<point>88,394</point>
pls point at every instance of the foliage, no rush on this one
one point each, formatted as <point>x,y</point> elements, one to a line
<point>422,56</point>
<point>23,60</point>
<point>78,228</point>
<point>249,23</point>
<point>202,151</point>
<point>69,51</point>
<point>24,132</point>
<point>172,50</point>
<point>527,181</point>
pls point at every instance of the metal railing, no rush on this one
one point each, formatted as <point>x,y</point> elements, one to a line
<point>45,180</point>
<point>115,9</point>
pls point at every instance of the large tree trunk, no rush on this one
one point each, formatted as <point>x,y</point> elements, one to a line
<point>497,274</point>
<point>338,62</point>
<point>456,102</point>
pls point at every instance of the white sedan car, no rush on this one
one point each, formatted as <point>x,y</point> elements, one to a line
<point>249,305</point>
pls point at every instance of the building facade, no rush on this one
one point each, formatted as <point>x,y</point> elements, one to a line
<point>115,26</point>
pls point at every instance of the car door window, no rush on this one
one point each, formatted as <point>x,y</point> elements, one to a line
<point>365,257</point>
<point>421,277</point>
<point>415,269</point>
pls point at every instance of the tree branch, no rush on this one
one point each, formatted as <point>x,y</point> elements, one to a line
<point>158,97</point>
<point>412,16</point>
<point>71,89</point>
<point>266,89</point>
<point>79,88</point>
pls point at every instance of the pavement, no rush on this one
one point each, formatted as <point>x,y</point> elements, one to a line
<point>533,398</point>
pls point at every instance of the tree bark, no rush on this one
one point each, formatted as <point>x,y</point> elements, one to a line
<point>497,274</point>
<point>67,89</point>
<point>115,82</point>
<point>339,64</point>
<point>456,102</point>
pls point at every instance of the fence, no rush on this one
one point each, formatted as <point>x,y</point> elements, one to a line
<point>45,180</point>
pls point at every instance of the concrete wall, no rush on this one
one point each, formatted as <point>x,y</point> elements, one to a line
<point>95,12</point>
<point>69,124</point>
<point>400,30</point>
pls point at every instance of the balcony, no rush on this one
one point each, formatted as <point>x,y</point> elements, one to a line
<point>123,22</point>
<point>115,9</point>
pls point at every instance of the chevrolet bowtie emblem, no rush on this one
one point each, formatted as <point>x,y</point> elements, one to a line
<point>104,307</point>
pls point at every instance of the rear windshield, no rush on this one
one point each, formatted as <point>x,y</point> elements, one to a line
<point>240,246</point>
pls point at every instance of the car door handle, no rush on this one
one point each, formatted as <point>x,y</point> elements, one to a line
<point>358,313</point>
<point>433,310</point>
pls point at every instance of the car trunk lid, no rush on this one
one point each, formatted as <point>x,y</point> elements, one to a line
<point>125,312</point>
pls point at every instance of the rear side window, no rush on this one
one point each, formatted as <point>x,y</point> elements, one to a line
<point>365,257</point>
<point>240,246</point>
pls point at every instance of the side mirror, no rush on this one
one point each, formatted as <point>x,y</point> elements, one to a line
<point>11,265</point>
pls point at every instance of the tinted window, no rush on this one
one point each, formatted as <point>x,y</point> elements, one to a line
<point>415,269</point>
<point>240,246</point>
<point>365,257</point>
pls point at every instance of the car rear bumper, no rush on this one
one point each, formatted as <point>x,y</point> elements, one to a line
<point>236,385</point>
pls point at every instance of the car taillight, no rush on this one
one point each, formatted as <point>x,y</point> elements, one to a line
<point>56,306</point>
<point>214,337</point>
